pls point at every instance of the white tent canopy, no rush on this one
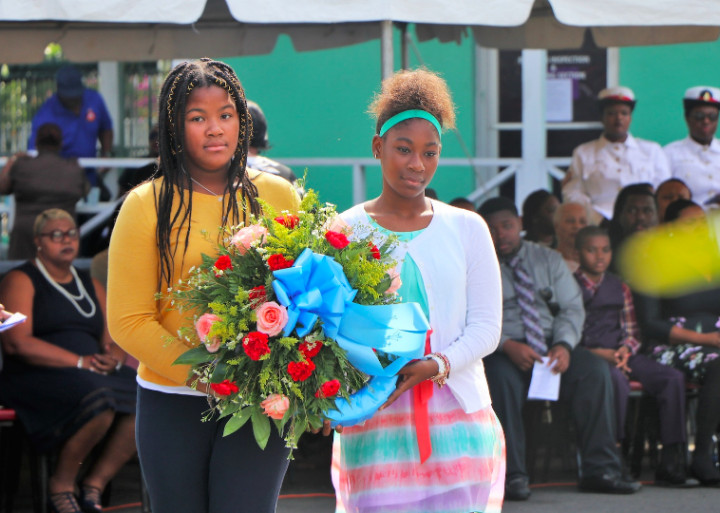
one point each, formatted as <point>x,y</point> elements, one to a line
<point>127,30</point>
<point>138,30</point>
<point>505,13</point>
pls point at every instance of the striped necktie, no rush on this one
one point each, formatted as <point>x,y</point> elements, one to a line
<point>525,293</point>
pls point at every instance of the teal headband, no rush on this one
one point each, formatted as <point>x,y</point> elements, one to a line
<point>408,114</point>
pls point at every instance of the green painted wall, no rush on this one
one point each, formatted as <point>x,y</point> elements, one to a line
<point>659,76</point>
<point>315,103</point>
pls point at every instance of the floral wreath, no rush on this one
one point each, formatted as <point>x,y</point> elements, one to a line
<point>296,321</point>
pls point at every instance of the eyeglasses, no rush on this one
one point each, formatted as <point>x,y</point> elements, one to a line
<point>699,116</point>
<point>59,235</point>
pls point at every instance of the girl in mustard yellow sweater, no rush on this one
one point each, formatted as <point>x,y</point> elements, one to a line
<point>162,230</point>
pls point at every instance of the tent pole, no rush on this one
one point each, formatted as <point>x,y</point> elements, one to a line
<point>386,48</point>
<point>532,174</point>
<point>487,116</point>
<point>405,45</point>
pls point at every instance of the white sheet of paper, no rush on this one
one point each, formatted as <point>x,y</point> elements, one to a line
<point>544,384</point>
<point>13,320</point>
<point>559,99</point>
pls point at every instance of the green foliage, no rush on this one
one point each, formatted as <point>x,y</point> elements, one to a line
<point>261,427</point>
<point>195,356</point>
<point>237,421</point>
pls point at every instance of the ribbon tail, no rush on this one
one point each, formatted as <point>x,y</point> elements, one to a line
<point>422,392</point>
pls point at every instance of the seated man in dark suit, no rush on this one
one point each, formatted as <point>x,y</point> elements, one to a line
<point>543,315</point>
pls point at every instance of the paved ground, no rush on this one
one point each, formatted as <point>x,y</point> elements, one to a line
<point>307,489</point>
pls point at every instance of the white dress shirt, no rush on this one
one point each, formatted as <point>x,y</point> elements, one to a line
<point>600,168</point>
<point>697,165</point>
<point>457,261</point>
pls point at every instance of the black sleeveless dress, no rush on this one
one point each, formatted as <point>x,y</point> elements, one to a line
<point>53,403</point>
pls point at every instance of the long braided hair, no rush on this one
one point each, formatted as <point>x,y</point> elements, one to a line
<point>173,100</point>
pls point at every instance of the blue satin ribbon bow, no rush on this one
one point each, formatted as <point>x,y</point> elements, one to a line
<point>316,287</point>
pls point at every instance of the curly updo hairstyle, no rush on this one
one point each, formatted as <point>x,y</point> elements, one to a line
<point>414,89</point>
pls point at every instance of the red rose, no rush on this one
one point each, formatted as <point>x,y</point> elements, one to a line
<point>223,264</point>
<point>300,371</point>
<point>374,251</point>
<point>328,389</point>
<point>257,296</point>
<point>310,349</point>
<point>288,221</point>
<point>257,292</point>
<point>255,345</point>
<point>278,261</point>
<point>226,387</point>
<point>336,239</point>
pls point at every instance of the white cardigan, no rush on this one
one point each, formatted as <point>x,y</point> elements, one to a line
<point>457,261</point>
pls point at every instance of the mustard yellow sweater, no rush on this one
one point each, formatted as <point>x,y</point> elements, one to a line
<point>140,324</point>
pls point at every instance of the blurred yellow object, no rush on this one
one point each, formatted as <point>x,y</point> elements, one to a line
<point>675,258</point>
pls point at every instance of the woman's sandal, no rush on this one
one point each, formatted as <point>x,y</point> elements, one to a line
<point>64,502</point>
<point>91,499</point>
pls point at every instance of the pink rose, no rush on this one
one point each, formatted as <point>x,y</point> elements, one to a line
<point>213,345</point>
<point>271,318</point>
<point>275,406</point>
<point>246,237</point>
<point>337,224</point>
<point>203,326</point>
<point>395,282</point>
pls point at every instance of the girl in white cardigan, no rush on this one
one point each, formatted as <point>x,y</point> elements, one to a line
<point>431,447</point>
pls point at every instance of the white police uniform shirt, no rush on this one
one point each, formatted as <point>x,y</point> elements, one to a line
<point>697,165</point>
<point>600,168</point>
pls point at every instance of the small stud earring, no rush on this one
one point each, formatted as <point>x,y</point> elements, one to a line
<point>375,155</point>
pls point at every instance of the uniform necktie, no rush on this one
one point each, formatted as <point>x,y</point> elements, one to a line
<point>525,293</point>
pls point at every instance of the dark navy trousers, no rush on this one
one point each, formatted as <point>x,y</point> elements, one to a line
<point>665,384</point>
<point>190,467</point>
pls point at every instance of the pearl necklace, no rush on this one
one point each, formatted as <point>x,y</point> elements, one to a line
<point>70,297</point>
<point>218,196</point>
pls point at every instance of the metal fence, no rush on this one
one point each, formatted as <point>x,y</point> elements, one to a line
<point>24,88</point>
<point>140,86</point>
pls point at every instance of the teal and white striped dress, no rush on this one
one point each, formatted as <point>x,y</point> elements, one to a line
<point>376,466</point>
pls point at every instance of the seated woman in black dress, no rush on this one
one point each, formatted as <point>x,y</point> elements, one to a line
<point>63,374</point>
<point>684,332</point>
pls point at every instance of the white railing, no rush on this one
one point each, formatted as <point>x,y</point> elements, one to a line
<point>506,169</point>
